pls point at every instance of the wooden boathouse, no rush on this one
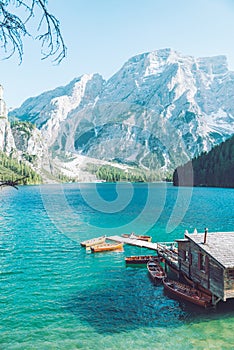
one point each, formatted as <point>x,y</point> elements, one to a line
<point>208,260</point>
<point>205,260</point>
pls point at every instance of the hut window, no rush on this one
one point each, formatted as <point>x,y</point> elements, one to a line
<point>184,254</point>
<point>206,264</point>
<point>190,258</point>
<point>201,261</point>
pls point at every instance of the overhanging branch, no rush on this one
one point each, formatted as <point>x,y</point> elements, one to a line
<point>13,28</point>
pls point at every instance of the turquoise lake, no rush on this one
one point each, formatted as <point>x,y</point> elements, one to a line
<point>55,295</point>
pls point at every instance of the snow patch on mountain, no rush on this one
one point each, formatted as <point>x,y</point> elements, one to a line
<point>160,109</point>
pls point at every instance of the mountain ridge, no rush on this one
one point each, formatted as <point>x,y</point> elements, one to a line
<point>157,111</point>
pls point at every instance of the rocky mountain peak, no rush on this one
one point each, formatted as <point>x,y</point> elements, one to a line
<point>131,118</point>
<point>216,65</point>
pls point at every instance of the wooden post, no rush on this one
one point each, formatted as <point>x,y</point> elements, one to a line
<point>205,235</point>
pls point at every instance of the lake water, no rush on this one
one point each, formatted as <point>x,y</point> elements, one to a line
<point>55,295</point>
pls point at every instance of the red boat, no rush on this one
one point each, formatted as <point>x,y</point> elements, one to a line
<point>187,293</point>
<point>156,271</point>
<point>138,259</point>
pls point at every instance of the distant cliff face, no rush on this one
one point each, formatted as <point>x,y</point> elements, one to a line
<point>6,139</point>
<point>50,109</point>
<point>29,143</point>
<point>7,143</point>
<point>22,141</point>
<point>159,110</point>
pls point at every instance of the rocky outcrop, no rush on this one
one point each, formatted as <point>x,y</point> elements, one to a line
<point>29,144</point>
<point>7,143</point>
<point>6,139</point>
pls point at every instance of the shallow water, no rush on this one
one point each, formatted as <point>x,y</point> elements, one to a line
<point>55,295</point>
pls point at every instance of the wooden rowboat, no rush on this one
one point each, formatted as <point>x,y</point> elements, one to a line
<point>155,270</point>
<point>138,259</point>
<point>93,241</point>
<point>134,236</point>
<point>107,247</point>
<point>196,285</point>
<point>187,293</point>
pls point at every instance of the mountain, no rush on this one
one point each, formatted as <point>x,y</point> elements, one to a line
<point>6,138</point>
<point>7,142</point>
<point>157,112</point>
<point>212,169</point>
<point>48,110</point>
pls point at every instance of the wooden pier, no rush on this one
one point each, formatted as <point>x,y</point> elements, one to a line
<point>170,256</point>
<point>135,242</point>
<point>206,260</point>
<point>163,250</point>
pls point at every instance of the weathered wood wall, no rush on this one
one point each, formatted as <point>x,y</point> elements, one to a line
<point>229,283</point>
<point>202,269</point>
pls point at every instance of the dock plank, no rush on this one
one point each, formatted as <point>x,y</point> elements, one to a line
<point>135,242</point>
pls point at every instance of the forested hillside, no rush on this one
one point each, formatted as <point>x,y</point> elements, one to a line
<point>113,174</point>
<point>12,169</point>
<point>213,169</point>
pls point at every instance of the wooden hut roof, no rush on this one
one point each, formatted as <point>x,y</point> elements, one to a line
<point>219,245</point>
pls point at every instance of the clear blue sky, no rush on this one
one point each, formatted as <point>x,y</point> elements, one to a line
<point>102,34</point>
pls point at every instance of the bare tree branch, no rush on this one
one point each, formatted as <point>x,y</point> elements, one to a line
<point>13,28</point>
<point>12,183</point>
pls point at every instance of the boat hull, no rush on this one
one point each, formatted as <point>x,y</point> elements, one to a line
<point>107,247</point>
<point>93,241</point>
<point>185,292</point>
<point>197,285</point>
<point>141,260</point>
<point>140,237</point>
<point>156,271</point>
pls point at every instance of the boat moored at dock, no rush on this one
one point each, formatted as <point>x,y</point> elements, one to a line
<point>195,285</point>
<point>155,270</point>
<point>203,261</point>
<point>134,236</point>
<point>138,259</point>
<point>93,241</point>
<point>107,247</point>
<point>188,293</point>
